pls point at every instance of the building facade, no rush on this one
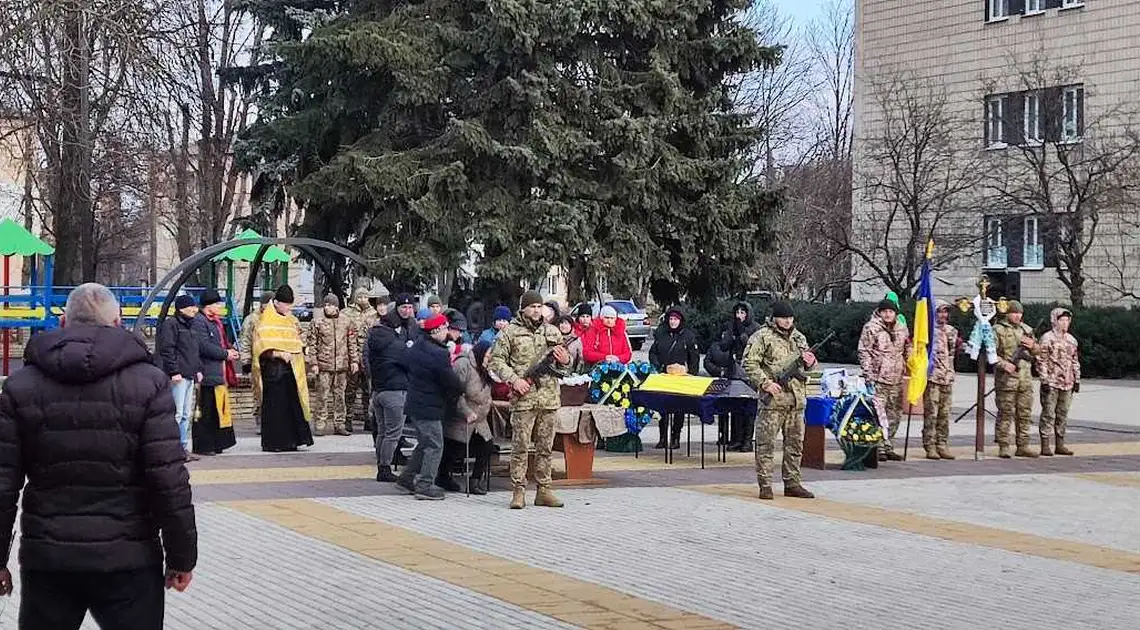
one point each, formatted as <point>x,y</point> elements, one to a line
<point>1042,96</point>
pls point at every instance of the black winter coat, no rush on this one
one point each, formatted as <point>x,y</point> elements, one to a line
<point>179,347</point>
<point>212,351</point>
<point>388,340</point>
<point>432,385</point>
<point>89,422</point>
<point>724,355</point>
<point>675,346</point>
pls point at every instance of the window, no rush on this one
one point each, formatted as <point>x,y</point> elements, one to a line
<point>995,254</point>
<point>1033,254</point>
<point>997,9</point>
<point>1072,117</point>
<point>1034,6</point>
<point>1072,4</point>
<point>1031,114</point>
<point>995,126</point>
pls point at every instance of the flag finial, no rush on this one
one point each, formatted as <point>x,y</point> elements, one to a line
<point>930,249</point>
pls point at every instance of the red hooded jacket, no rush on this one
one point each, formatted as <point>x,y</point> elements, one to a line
<point>600,342</point>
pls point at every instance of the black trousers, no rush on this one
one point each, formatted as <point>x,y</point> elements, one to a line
<point>118,600</point>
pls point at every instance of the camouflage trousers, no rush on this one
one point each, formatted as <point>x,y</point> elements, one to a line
<point>358,396</point>
<point>1054,412</point>
<point>770,423</point>
<point>888,406</point>
<point>524,424</point>
<point>330,408</point>
<point>936,415</point>
<point>1015,406</point>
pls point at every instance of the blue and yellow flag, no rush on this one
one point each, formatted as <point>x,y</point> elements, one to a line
<point>921,360</point>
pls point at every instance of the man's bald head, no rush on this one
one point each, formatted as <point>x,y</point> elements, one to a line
<point>92,304</point>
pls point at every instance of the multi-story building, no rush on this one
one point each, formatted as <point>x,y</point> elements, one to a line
<point>1024,82</point>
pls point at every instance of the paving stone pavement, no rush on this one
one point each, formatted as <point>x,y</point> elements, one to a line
<point>1056,506</point>
<point>753,565</point>
<point>259,576</point>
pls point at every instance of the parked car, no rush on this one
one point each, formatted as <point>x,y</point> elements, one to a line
<point>638,325</point>
<point>304,312</point>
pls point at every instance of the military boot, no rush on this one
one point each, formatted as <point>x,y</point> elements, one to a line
<point>944,452</point>
<point>1003,451</point>
<point>1061,448</point>
<point>518,498</point>
<point>766,493</point>
<point>1046,449</point>
<point>796,491</point>
<point>1024,451</point>
<point>931,452</point>
<point>384,474</point>
<point>544,497</point>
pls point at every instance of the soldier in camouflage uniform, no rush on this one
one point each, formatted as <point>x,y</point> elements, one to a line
<point>519,347</point>
<point>940,387</point>
<point>1013,381</point>
<point>245,349</point>
<point>769,352</point>
<point>333,354</point>
<point>883,349</point>
<point>364,316</point>
<point>1059,365</point>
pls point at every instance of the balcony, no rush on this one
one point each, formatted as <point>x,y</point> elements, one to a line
<point>995,258</point>
<point>1033,257</point>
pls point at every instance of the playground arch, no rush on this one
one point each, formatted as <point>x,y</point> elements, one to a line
<point>176,278</point>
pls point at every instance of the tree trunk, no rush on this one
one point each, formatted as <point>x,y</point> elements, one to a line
<point>1077,286</point>
<point>182,235</point>
<point>575,280</point>
<point>72,214</point>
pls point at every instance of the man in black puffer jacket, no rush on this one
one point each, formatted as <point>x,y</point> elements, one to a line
<point>89,423</point>
<point>388,340</point>
<point>673,344</point>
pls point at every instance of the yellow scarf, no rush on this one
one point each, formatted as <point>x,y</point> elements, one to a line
<point>280,332</point>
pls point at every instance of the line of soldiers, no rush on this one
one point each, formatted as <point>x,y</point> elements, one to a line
<point>335,356</point>
<point>885,345</point>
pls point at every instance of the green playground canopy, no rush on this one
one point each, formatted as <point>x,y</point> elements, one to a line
<point>16,240</point>
<point>246,253</point>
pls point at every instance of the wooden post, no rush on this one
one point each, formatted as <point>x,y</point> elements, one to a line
<point>980,428</point>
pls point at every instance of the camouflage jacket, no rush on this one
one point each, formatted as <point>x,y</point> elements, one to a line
<point>363,320</point>
<point>1057,360</point>
<point>883,351</point>
<point>333,345</point>
<point>245,339</point>
<point>769,352</point>
<point>519,347</point>
<point>1008,336</point>
<point>945,340</point>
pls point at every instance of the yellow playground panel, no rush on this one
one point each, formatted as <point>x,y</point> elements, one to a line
<point>129,312</point>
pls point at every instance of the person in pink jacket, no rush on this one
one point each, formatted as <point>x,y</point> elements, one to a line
<point>605,340</point>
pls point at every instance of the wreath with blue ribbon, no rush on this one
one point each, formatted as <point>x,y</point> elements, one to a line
<point>611,384</point>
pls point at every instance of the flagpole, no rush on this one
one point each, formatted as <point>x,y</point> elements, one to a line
<point>906,440</point>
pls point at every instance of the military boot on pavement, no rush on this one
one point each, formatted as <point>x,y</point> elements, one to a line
<point>796,491</point>
<point>944,452</point>
<point>1061,448</point>
<point>518,498</point>
<point>1003,451</point>
<point>766,493</point>
<point>932,452</point>
<point>544,497</point>
<point>1025,451</point>
<point>1046,449</point>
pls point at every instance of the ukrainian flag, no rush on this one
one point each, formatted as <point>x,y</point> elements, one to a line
<point>921,360</point>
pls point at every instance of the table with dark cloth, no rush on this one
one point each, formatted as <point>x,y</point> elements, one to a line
<point>738,397</point>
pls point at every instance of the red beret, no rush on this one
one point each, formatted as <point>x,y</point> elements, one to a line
<point>434,322</point>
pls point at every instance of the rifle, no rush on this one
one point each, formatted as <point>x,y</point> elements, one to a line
<point>545,364</point>
<point>794,370</point>
<point>1023,354</point>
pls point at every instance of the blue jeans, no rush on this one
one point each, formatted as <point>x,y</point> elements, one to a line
<point>183,407</point>
<point>423,465</point>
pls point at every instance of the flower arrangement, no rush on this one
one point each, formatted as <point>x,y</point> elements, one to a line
<point>611,383</point>
<point>861,431</point>
<point>638,418</point>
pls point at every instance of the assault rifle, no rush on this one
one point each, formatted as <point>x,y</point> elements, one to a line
<point>1024,354</point>
<point>545,366</point>
<point>794,370</point>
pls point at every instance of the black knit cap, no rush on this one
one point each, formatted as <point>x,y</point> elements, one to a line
<point>782,309</point>
<point>887,305</point>
<point>182,302</point>
<point>405,299</point>
<point>284,294</point>
<point>208,297</point>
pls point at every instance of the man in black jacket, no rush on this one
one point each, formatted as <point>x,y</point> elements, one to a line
<point>178,348</point>
<point>723,361</point>
<point>432,389</point>
<point>89,424</point>
<point>388,340</point>
<point>673,344</point>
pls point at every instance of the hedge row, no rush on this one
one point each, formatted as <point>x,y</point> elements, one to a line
<point>1109,337</point>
